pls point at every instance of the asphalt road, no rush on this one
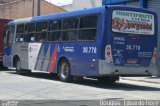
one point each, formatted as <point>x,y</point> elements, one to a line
<point>42,86</point>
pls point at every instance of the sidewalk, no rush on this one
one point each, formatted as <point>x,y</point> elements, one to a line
<point>148,79</point>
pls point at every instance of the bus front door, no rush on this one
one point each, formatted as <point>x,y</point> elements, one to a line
<point>7,48</point>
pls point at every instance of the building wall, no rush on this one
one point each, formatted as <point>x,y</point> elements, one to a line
<point>67,7</point>
<point>23,9</point>
<point>83,4</point>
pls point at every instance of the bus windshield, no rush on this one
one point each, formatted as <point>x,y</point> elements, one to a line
<point>131,22</point>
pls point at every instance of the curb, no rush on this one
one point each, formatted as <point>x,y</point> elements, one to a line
<point>140,80</point>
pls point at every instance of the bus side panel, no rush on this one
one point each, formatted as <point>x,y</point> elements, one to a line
<point>21,50</point>
<point>47,57</point>
<point>86,56</point>
<point>48,48</point>
<point>82,62</point>
<point>82,57</point>
<point>33,51</point>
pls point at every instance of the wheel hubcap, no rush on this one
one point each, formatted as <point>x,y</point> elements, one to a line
<point>64,70</point>
<point>18,66</point>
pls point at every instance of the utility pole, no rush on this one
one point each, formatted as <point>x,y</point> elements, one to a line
<point>38,7</point>
<point>32,8</point>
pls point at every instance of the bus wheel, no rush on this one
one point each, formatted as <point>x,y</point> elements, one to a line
<point>28,72</point>
<point>18,67</point>
<point>108,79</point>
<point>64,71</point>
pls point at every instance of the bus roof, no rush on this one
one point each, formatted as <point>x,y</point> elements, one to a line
<point>57,15</point>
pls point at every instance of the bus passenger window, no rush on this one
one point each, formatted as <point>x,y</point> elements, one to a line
<point>70,29</point>
<point>40,37</point>
<point>88,21</point>
<point>20,28</point>
<point>69,35</point>
<point>88,34</point>
<point>55,25</point>
<point>54,36</point>
<point>70,23</point>
<point>29,38</point>
<point>20,32</point>
<point>30,27</point>
<point>88,28</point>
<point>54,30</point>
<point>19,38</point>
<point>41,26</point>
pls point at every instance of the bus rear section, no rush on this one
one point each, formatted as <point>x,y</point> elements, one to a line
<point>131,46</point>
<point>2,32</point>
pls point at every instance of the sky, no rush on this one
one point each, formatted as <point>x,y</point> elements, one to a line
<point>60,2</point>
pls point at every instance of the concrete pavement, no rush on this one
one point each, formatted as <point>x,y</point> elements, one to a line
<point>149,79</point>
<point>42,86</point>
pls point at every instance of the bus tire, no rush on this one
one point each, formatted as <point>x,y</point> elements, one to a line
<point>64,71</point>
<point>18,67</point>
<point>108,79</point>
<point>28,72</point>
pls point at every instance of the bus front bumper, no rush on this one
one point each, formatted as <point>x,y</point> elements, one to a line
<point>110,69</point>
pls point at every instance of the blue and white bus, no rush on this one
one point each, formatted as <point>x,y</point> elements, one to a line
<point>104,42</point>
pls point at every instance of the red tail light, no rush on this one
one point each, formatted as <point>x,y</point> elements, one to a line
<point>154,56</point>
<point>108,54</point>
